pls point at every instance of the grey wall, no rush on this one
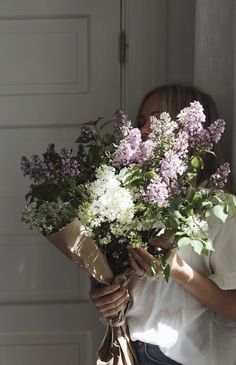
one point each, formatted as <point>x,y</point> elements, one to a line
<point>214,58</point>
<point>180,40</point>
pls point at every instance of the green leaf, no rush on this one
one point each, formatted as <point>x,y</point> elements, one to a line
<point>154,268</point>
<point>94,155</point>
<point>197,196</point>
<point>207,204</point>
<point>172,222</point>
<point>166,272</point>
<point>105,124</point>
<point>196,162</point>
<point>208,245</point>
<point>197,246</point>
<point>190,193</point>
<point>204,252</point>
<point>218,210</point>
<point>150,174</point>
<point>191,176</point>
<point>107,139</point>
<point>230,200</point>
<point>184,241</point>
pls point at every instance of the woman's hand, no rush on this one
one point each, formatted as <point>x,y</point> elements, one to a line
<point>108,300</point>
<point>145,264</point>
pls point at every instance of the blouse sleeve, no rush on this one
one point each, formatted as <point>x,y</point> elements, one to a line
<point>223,258</point>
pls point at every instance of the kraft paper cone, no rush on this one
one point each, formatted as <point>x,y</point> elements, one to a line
<point>82,250</point>
<point>116,347</point>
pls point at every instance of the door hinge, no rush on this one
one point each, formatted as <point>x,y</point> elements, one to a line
<point>123,46</point>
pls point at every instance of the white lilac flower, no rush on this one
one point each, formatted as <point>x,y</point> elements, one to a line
<point>110,202</point>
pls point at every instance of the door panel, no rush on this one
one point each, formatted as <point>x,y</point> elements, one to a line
<point>59,66</point>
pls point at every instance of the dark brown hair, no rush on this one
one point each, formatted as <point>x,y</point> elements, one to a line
<point>172,99</point>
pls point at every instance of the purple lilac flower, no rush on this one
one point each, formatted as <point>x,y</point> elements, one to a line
<point>81,151</point>
<point>171,166</point>
<point>69,166</point>
<point>181,144</point>
<point>216,130</point>
<point>53,168</point>
<point>146,152</point>
<point>202,141</point>
<point>122,125</point>
<point>177,187</point>
<point>87,134</point>
<point>25,165</point>
<point>129,149</point>
<point>220,177</point>
<point>191,118</point>
<point>157,192</point>
<point>32,168</point>
<point>162,129</point>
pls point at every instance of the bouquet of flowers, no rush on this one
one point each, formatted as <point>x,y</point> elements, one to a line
<point>120,190</point>
<point>147,189</point>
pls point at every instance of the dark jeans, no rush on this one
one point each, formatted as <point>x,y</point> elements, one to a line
<point>151,355</point>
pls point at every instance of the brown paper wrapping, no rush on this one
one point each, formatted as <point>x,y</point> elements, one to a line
<point>116,348</point>
<point>82,250</point>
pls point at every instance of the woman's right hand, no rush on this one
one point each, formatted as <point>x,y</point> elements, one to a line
<point>108,300</point>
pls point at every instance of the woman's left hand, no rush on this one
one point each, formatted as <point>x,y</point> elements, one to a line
<point>146,265</point>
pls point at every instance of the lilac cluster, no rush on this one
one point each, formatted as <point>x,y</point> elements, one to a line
<point>129,149</point>
<point>122,125</point>
<point>202,141</point>
<point>69,166</point>
<point>87,135</point>
<point>52,168</point>
<point>181,144</point>
<point>216,130</point>
<point>157,192</point>
<point>31,168</point>
<point>171,166</point>
<point>220,177</point>
<point>177,188</point>
<point>191,118</point>
<point>146,152</point>
<point>162,130</point>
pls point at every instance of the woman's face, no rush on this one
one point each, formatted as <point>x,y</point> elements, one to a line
<point>151,107</point>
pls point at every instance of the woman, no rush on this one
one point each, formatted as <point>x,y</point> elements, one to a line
<point>190,320</point>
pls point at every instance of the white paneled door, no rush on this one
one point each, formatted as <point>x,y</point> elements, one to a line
<point>59,66</point>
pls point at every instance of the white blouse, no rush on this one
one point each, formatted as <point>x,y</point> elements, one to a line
<point>165,314</point>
